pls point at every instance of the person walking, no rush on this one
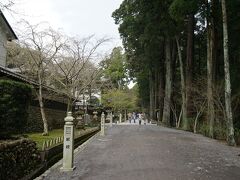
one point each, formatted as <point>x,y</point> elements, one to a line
<point>134,117</point>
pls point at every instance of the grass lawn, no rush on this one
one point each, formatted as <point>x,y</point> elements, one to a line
<point>39,138</point>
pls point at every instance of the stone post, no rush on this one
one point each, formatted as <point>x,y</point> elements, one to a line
<point>111,119</point>
<point>102,124</point>
<point>120,118</point>
<point>68,145</point>
<point>125,115</point>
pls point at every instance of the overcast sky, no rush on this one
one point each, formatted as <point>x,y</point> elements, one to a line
<point>74,17</point>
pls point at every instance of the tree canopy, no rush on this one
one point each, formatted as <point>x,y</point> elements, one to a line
<point>173,45</point>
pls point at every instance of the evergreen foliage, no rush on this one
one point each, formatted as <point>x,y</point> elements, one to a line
<point>120,100</point>
<point>14,102</point>
<point>149,31</point>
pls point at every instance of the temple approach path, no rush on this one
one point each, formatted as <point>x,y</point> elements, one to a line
<point>149,152</point>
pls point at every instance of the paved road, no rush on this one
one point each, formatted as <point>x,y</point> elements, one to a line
<point>152,153</point>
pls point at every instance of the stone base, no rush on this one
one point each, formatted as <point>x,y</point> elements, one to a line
<point>67,169</point>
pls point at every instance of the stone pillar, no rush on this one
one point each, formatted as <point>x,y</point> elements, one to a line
<point>103,124</point>
<point>125,115</point>
<point>68,145</point>
<point>111,119</point>
<point>120,118</point>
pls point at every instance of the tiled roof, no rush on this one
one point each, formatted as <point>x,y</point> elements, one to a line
<point>6,72</point>
<point>16,76</point>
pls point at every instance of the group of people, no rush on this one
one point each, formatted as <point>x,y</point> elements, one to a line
<point>135,117</point>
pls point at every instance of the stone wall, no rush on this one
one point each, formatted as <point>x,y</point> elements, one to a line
<point>18,158</point>
<point>55,118</point>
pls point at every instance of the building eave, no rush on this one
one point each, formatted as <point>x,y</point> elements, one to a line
<point>6,72</point>
<point>10,33</point>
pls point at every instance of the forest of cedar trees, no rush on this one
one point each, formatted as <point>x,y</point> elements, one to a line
<point>185,57</point>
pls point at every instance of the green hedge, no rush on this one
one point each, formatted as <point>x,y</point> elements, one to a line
<point>14,102</point>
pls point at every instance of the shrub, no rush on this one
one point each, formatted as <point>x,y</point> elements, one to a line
<point>237,136</point>
<point>220,133</point>
<point>14,102</point>
<point>204,129</point>
<point>18,158</point>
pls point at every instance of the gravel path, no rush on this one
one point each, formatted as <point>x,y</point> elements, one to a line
<point>148,152</point>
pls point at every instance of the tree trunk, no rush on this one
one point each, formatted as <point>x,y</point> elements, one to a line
<point>151,94</point>
<point>211,113</point>
<point>168,87</point>
<point>174,60</point>
<point>228,107</point>
<point>195,123</point>
<point>173,76</point>
<point>156,86</point>
<point>210,35</point>
<point>189,66</point>
<point>41,104</point>
<point>216,38</point>
<point>199,113</point>
<point>161,92</point>
<point>69,105</point>
<point>183,88</point>
<point>179,119</point>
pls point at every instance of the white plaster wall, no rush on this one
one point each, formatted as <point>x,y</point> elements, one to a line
<point>3,51</point>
